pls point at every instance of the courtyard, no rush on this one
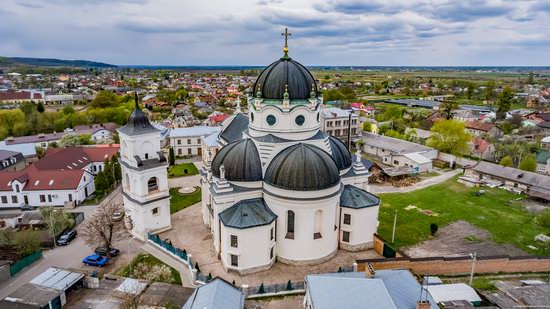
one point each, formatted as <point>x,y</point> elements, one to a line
<point>188,232</point>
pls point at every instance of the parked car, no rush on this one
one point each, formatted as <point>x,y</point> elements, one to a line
<point>95,260</point>
<point>28,208</point>
<point>103,251</point>
<point>66,238</point>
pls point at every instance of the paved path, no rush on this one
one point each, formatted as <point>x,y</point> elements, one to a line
<point>65,256</point>
<point>377,189</point>
<point>185,273</point>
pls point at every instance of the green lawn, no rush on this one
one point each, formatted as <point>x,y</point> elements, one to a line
<point>183,169</point>
<point>180,201</point>
<point>124,271</point>
<point>497,211</point>
<point>98,197</point>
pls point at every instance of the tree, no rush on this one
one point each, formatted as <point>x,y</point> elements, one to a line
<point>102,229</point>
<point>70,140</point>
<point>470,88</point>
<point>528,163</point>
<point>101,182</point>
<point>27,242</point>
<point>447,107</point>
<point>68,110</point>
<point>504,101</point>
<point>40,107</point>
<point>116,168</point>
<point>105,99</point>
<point>171,156</point>
<point>490,90</point>
<point>109,173</point>
<point>506,161</point>
<point>57,220</point>
<point>530,79</point>
<point>449,136</point>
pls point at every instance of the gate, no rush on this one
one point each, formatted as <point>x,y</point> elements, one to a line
<point>24,262</point>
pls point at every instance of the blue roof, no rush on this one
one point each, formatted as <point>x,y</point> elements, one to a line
<point>330,291</point>
<point>193,131</point>
<point>217,294</point>
<point>247,213</point>
<point>353,197</point>
<point>403,288</point>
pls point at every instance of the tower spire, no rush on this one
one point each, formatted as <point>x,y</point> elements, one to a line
<point>286,34</point>
<point>136,98</point>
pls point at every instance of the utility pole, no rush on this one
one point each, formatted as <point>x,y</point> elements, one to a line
<point>394,224</point>
<point>349,130</point>
<point>474,258</point>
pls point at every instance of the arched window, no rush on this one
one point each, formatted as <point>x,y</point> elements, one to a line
<point>290,218</point>
<point>317,224</point>
<point>127,182</point>
<point>152,184</point>
<point>146,156</point>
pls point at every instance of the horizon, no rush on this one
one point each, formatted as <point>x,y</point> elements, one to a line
<point>373,33</point>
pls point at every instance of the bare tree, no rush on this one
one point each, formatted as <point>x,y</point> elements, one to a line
<point>104,227</point>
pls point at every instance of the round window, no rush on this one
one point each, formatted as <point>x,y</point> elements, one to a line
<point>300,120</point>
<point>271,120</point>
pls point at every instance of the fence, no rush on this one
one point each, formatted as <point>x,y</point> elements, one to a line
<point>381,247</point>
<point>270,289</point>
<point>178,253</point>
<point>24,262</point>
<point>461,265</point>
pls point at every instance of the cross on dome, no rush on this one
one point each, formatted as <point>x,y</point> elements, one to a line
<point>286,34</point>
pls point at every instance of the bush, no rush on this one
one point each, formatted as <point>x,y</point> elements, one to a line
<point>544,218</point>
<point>433,228</point>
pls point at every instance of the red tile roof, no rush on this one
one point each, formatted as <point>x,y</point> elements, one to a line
<point>8,96</point>
<point>76,157</point>
<point>42,180</point>
<point>480,126</point>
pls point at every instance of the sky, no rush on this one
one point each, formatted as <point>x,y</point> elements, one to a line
<point>248,32</point>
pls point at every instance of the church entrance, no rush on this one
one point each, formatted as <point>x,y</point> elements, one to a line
<point>199,151</point>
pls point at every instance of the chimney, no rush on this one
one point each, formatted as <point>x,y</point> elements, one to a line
<point>423,304</point>
<point>369,271</point>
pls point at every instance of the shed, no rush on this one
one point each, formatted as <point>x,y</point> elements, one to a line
<point>454,291</point>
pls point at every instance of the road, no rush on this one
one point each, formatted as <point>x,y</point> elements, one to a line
<point>377,189</point>
<point>65,256</point>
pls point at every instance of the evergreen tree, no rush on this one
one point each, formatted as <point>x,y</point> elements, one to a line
<point>504,101</point>
<point>171,156</point>
<point>40,107</point>
<point>108,170</point>
<point>101,182</point>
<point>116,167</point>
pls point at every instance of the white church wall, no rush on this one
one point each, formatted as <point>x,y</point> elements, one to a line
<point>364,222</point>
<point>285,125</point>
<point>253,247</point>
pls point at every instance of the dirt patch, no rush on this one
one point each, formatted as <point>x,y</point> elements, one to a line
<point>460,238</point>
<point>535,207</point>
<point>275,302</point>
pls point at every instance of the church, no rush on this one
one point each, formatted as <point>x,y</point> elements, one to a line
<point>280,189</point>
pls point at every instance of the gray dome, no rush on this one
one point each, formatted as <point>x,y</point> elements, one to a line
<point>340,153</point>
<point>241,161</point>
<point>285,71</point>
<point>302,167</point>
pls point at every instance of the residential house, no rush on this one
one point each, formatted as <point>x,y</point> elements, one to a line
<point>28,151</point>
<point>545,127</point>
<point>11,161</point>
<point>543,161</point>
<point>188,141</point>
<point>532,184</point>
<point>538,117</point>
<point>216,119</point>
<point>415,158</point>
<point>42,140</point>
<point>479,129</point>
<point>63,175</point>
<point>102,132</point>
<point>12,97</point>
<point>545,143</point>
<point>383,289</point>
<point>336,122</point>
<point>481,148</point>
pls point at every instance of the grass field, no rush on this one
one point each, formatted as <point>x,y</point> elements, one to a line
<point>125,271</point>
<point>497,211</point>
<point>183,169</point>
<point>180,201</point>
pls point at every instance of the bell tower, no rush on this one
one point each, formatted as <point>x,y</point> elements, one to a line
<point>144,176</point>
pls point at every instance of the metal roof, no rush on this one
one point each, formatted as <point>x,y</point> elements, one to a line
<point>234,130</point>
<point>353,197</point>
<point>340,153</point>
<point>330,291</point>
<point>302,167</point>
<point>138,123</point>
<point>403,288</point>
<point>57,278</point>
<point>216,294</point>
<point>247,213</point>
<point>455,291</point>
<point>241,161</point>
<point>392,144</point>
<point>194,131</point>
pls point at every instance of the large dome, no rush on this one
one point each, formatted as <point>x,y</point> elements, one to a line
<point>302,167</point>
<point>241,161</point>
<point>285,71</point>
<point>340,153</point>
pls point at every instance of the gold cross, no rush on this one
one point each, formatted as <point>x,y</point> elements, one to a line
<point>286,34</point>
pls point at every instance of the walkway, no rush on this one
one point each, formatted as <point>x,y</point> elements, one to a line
<point>377,189</point>
<point>185,272</point>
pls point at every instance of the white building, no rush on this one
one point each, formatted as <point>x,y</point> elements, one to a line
<point>336,122</point>
<point>188,141</point>
<point>281,189</point>
<point>144,177</point>
<point>64,175</point>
